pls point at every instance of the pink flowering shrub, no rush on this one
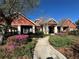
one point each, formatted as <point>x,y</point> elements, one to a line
<point>21,38</point>
<point>17,40</point>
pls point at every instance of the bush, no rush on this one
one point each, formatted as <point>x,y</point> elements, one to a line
<point>30,33</point>
<point>60,41</point>
<point>29,40</point>
<point>18,39</point>
<point>39,33</point>
<point>74,32</point>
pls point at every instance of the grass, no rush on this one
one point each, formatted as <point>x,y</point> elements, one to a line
<point>64,45</point>
<point>61,41</point>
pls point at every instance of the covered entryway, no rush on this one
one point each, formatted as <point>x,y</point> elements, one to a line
<point>24,25</point>
<point>52,25</point>
<point>59,29</point>
<point>66,29</point>
<point>51,29</point>
<point>26,29</point>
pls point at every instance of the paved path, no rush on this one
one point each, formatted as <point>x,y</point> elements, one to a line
<point>43,50</point>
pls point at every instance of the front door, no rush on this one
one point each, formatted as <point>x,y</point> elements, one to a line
<point>51,29</point>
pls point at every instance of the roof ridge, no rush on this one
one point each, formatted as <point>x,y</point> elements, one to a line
<point>28,19</point>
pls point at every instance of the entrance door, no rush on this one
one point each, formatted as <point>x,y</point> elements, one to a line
<point>51,29</point>
<point>65,29</point>
<point>59,29</point>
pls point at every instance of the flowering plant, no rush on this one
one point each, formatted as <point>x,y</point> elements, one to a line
<point>21,38</point>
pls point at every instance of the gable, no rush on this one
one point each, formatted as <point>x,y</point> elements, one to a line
<point>52,22</point>
<point>41,22</point>
<point>22,21</point>
<point>69,24</point>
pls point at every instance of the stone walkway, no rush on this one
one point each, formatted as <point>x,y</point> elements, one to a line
<point>43,50</point>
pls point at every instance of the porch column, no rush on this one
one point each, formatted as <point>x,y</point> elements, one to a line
<point>55,29</point>
<point>61,28</point>
<point>19,29</point>
<point>33,29</point>
<point>47,30</point>
<point>44,29</point>
<point>9,30</point>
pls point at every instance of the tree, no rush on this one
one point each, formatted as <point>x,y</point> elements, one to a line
<point>10,9</point>
<point>77,22</point>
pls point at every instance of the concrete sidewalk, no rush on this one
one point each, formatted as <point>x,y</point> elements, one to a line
<point>43,50</point>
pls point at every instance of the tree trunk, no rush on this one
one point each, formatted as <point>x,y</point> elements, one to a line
<point>1,38</point>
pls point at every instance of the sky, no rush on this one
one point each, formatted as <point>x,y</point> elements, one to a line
<point>57,9</point>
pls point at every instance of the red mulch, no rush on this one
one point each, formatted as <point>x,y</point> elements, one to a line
<point>69,53</point>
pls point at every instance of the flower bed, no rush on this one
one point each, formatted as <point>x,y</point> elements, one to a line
<point>21,37</point>
<point>12,50</point>
<point>18,39</point>
<point>25,51</point>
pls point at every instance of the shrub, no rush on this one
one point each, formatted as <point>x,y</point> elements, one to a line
<point>18,39</point>
<point>39,33</point>
<point>30,33</point>
<point>21,38</point>
<point>29,40</point>
<point>74,32</point>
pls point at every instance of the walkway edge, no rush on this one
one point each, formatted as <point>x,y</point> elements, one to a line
<point>60,55</point>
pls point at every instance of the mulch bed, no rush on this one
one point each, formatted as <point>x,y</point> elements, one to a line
<point>70,53</point>
<point>9,48</point>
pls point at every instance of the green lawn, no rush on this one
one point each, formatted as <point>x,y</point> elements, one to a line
<point>62,41</point>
